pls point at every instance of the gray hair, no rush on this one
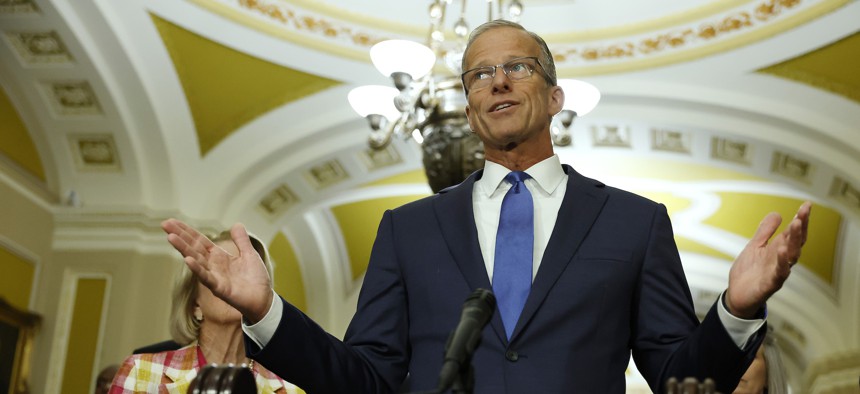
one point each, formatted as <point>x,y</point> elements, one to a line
<point>184,328</point>
<point>545,58</point>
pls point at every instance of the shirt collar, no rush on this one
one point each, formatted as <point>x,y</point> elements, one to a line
<point>547,174</point>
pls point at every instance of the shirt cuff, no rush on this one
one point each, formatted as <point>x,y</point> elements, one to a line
<point>263,331</point>
<point>740,330</point>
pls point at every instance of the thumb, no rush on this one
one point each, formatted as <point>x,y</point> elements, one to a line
<point>766,229</point>
<point>241,239</point>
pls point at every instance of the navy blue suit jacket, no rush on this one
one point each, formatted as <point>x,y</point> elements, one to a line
<point>610,282</point>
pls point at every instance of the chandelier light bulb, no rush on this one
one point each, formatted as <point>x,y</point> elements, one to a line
<point>515,9</point>
<point>374,100</point>
<point>436,10</point>
<point>579,96</point>
<point>461,29</point>
<point>438,37</point>
<point>405,56</point>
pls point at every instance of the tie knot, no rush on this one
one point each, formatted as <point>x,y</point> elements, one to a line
<point>516,178</point>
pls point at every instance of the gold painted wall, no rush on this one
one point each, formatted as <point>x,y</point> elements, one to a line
<point>84,335</point>
<point>15,141</point>
<point>16,282</point>
<point>358,223</point>
<point>288,280</point>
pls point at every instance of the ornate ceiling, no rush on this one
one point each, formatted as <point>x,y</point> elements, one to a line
<point>235,110</point>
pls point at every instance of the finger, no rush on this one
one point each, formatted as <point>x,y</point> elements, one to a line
<point>242,240</point>
<point>766,229</point>
<point>200,270</point>
<point>796,232</point>
<point>192,240</point>
<point>192,236</point>
<point>803,214</point>
<point>185,249</point>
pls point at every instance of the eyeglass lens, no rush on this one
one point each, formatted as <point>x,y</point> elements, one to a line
<point>515,69</point>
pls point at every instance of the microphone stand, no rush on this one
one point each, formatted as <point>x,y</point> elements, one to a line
<point>457,372</point>
<point>464,383</point>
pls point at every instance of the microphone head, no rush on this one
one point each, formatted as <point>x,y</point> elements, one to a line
<point>480,305</point>
<point>482,296</point>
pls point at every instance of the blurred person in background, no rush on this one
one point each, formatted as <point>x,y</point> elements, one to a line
<point>210,332</point>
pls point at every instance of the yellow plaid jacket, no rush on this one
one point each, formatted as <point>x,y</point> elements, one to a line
<point>171,372</point>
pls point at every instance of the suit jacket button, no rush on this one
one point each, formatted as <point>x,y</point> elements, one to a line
<point>512,355</point>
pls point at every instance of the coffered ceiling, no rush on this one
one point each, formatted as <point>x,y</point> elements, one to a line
<point>235,110</point>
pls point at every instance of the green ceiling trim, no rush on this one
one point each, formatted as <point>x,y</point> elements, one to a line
<point>226,88</point>
<point>287,279</point>
<point>741,213</point>
<point>15,141</point>
<point>358,223</point>
<point>832,68</point>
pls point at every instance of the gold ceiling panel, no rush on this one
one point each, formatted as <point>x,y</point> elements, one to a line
<point>358,223</point>
<point>15,142</point>
<point>689,245</point>
<point>287,279</point>
<point>653,168</point>
<point>741,213</point>
<point>226,88</point>
<point>409,177</point>
<point>833,68</point>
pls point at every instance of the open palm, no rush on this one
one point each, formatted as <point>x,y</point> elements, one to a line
<point>763,266</point>
<point>242,281</point>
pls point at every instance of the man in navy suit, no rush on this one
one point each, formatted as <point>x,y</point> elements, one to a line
<point>606,276</point>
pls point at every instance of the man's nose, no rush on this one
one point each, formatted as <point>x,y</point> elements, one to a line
<point>501,82</point>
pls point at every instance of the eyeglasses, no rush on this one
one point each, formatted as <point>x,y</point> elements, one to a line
<point>516,69</point>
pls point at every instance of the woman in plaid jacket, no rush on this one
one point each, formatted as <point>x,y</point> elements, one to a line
<point>212,330</point>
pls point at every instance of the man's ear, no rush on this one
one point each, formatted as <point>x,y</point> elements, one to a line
<point>468,118</point>
<point>556,100</point>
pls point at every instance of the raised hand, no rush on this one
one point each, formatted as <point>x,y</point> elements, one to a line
<point>762,267</point>
<point>242,281</point>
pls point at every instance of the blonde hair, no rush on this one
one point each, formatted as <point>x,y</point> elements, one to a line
<point>776,376</point>
<point>184,328</point>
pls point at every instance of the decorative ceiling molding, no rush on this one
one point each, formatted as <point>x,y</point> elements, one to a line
<point>611,136</point>
<point>18,7</point>
<point>326,174</point>
<point>734,151</point>
<point>276,202</point>
<point>694,34</point>
<point>375,159</point>
<point>670,140</point>
<point>71,98</point>
<point>39,48</point>
<point>95,152</point>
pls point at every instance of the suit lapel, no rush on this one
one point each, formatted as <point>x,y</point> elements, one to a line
<point>456,218</point>
<point>583,201</point>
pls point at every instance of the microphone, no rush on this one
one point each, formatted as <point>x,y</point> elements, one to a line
<point>477,310</point>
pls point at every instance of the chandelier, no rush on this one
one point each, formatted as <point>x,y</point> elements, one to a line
<point>427,103</point>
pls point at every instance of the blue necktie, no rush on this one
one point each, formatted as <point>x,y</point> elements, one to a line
<point>512,269</point>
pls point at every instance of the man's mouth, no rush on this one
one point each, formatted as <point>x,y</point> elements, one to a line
<point>501,107</point>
